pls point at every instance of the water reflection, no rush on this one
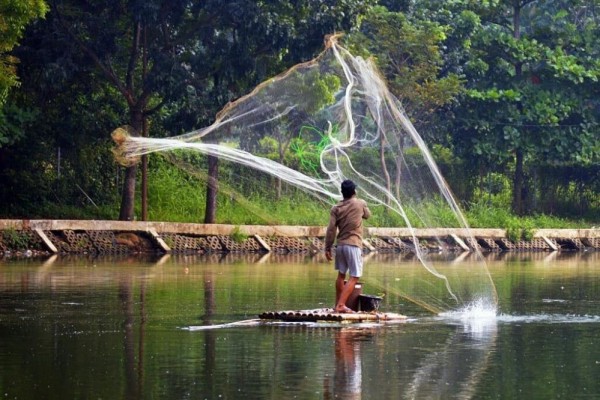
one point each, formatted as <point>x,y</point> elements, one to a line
<point>110,328</point>
<point>210,337</point>
<point>347,375</point>
<point>288,258</point>
<point>454,370</point>
<point>134,364</point>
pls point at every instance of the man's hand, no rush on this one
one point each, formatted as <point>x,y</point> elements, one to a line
<point>328,255</point>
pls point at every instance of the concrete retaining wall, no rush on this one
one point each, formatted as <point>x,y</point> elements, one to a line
<point>95,236</point>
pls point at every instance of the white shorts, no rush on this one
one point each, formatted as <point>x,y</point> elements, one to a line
<point>348,259</point>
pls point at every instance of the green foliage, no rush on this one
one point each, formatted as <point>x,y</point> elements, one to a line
<point>382,216</point>
<point>432,213</point>
<point>482,214</point>
<point>13,239</point>
<point>527,232</point>
<point>522,229</point>
<point>513,233</point>
<point>14,17</point>
<point>313,90</point>
<point>292,209</point>
<point>494,189</point>
<point>176,195</point>
<point>479,94</point>
<point>237,236</point>
<point>14,122</point>
<point>306,149</point>
<point>409,53</point>
<point>528,99</point>
<point>173,195</point>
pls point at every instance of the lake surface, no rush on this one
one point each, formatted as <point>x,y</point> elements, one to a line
<point>134,328</point>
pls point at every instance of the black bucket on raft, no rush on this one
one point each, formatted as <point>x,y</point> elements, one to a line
<point>363,302</point>
<point>368,303</point>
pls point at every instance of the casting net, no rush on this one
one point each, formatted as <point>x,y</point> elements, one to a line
<point>337,116</point>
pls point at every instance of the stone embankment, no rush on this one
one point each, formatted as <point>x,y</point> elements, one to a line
<point>131,237</point>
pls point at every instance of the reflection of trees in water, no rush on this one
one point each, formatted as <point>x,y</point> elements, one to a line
<point>134,372</point>
<point>454,371</point>
<point>457,357</point>
<point>210,337</point>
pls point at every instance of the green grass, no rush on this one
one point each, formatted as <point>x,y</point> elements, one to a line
<point>178,194</point>
<point>185,202</point>
<point>480,215</point>
<point>299,208</point>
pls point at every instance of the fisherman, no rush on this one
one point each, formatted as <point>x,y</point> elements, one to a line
<point>346,220</point>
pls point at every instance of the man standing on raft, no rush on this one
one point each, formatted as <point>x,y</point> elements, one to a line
<point>346,218</point>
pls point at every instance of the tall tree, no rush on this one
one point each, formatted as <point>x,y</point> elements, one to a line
<point>409,53</point>
<point>529,99</point>
<point>134,47</point>
<point>14,17</point>
<point>154,52</point>
<point>247,43</point>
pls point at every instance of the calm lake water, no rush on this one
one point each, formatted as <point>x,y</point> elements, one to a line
<point>130,328</point>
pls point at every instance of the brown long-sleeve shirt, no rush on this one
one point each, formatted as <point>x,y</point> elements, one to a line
<point>346,217</point>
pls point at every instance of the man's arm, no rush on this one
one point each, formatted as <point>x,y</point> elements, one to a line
<point>366,211</point>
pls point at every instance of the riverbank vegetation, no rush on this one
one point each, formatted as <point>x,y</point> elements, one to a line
<point>504,93</point>
<point>174,196</point>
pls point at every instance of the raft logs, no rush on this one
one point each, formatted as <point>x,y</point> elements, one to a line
<point>328,315</point>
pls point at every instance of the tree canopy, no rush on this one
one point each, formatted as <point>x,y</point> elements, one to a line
<point>14,17</point>
<point>506,93</point>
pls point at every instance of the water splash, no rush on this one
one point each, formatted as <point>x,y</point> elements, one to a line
<point>481,313</point>
<point>480,309</point>
<point>479,318</point>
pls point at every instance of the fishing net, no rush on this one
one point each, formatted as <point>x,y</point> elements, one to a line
<point>337,116</point>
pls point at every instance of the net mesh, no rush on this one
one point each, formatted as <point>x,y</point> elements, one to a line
<point>336,114</point>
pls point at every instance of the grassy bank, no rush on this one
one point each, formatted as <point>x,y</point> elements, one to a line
<point>298,208</point>
<point>177,194</point>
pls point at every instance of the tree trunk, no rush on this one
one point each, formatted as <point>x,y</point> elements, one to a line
<point>517,202</point>
<point>144,131</point>
<point>398,179</point>
<point>145,174</point>
<point>144,193</point>
<point>128,196</point>
<point>212,189</point>
<point>281,148</point>
<point>384,170</point>
<point>279,189</point>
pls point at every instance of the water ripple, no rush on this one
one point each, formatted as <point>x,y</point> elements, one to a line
<point>549,318</point>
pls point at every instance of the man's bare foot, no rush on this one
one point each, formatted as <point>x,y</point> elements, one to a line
<point>344,310</point>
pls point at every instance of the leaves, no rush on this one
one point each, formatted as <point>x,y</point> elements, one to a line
<point>409,53</point>
<point>14,123</point>
<point>478,92</point>
<point>14,17</point>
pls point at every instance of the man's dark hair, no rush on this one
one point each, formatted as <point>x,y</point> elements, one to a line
<point>348,189</point>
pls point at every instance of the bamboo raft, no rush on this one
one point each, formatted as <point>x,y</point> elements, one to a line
<point>327,314</point>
